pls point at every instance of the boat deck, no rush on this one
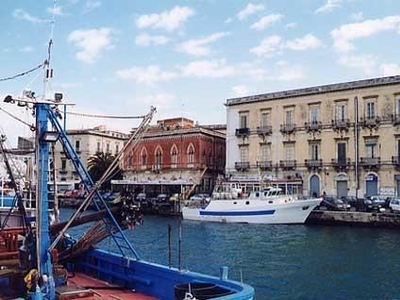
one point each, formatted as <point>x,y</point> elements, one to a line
<point>81,286</point>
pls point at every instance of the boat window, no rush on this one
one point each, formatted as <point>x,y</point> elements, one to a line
<point>257,194</point>
<point>247,202</point>
<point>235,202</point>
<point>270,201</point>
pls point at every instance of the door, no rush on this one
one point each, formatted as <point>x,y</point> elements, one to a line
<point>372,185</point>
<point>341,188</point>
<point>314,186</point>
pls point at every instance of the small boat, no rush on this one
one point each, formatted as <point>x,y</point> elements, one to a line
<point>270,205</point>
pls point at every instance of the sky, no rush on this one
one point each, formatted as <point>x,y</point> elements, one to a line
<point>186,57</point>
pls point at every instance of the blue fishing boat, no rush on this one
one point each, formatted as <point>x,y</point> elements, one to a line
<point>53,265</point>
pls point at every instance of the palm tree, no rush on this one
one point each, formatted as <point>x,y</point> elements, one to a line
<point>98,164</point>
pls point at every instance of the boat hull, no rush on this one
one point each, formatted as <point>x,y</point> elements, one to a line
<point>252,211</point>
<point>155,280</point>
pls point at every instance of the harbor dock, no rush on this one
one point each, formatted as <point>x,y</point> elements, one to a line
<point>354,218</point>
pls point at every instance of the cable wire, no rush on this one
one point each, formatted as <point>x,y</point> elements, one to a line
<point>103,116</point>
<point>22,73</point>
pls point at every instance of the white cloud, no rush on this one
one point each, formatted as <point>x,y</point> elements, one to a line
<point>329,6</point>
<point>240,90</point>
<point>92,4</point>
<point>57,10</point>
<point>249,10</point>
<point>366,62</point>
<point>273,45</point>
<point>23,15</point>
<point>200,47</point>
<point>91,42</point>
<point>390,69</point>
<point>26,49</point>
<point>208,68</point>
<point>308,41</point>
<point>146,40</point>
<point>266,21</point>
<point>147,75</point>
<point>229,20</point>
<point>268,47</point>
<point>287,72</point>
<point>291,25</point>
<point>358,16</point>
<point>161,100</point>
<point>168,20</point>
<point>345,34</point>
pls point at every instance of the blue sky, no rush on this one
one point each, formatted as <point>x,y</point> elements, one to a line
<point>187,57</point>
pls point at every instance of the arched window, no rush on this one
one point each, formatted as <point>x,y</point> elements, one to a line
<point>143,156</point>
<point>158,158</point>
<point>190,153</point>
<point>174,156</point>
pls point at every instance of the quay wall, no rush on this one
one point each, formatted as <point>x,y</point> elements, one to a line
<point>348,218</point>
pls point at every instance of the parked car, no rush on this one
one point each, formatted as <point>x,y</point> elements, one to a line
<point>141,197</point>
<point>371,205</point>
<point>200,197</point>
<point>333,203</point>
<point>395,204</point>
<point>350,200</point>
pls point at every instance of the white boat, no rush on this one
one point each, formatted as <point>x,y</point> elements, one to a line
<point>270,205</point>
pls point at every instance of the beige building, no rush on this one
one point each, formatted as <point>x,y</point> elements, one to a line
<point>342,139</point>
<point>86,142</point>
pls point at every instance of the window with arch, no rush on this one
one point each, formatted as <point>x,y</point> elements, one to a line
<point>158,158</point>
<point>190,153</point>
<point>143,156</point>
<point>174,156</point>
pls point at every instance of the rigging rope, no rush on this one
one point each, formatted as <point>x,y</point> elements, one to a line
<point>31,126</point>
<point>23,73</point>
<point>103,116</point>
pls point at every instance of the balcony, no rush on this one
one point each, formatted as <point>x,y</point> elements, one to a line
<point>370,162</point>
<point>396,119</point>
<point>341,164</point>
<point>287,164</point>
<point>156,169</point>
<point>313,126</point>
<point>242,165</point>
<point>396,161</point>
<point>313,164</point>
<point>341,124</point>
<point>370,122</point>
<point>241,132</point>
<point>264,130</point>
<point>288,128</point>
<point>265,165</point>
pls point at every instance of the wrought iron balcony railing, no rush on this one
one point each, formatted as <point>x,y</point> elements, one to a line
<point>242,131</point>
<point>265,165</point>
<point>341,163</point>
<point>264,130</point>
<point>242,165</point>
<point>313,163</point>
<point>396,119</point>
<point>288,128</point>
<point>287,164</point>
<point>340,124</point>
<point>313,126</point>
<point>370,162</point>
<point>370,122</point>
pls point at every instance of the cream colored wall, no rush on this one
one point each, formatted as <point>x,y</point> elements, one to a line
<point>387,134</point>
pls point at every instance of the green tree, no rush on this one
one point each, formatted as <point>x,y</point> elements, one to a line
<point>98,164</point>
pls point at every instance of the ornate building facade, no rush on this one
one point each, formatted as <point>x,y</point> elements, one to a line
<point>342,139</point>
<point>174,156</point>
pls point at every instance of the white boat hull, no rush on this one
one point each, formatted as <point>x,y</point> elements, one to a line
<point>252,211</point>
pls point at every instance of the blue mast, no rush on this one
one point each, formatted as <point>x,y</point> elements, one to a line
<point>44,263</point>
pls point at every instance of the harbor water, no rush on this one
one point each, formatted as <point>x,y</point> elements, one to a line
<point>279,261</point>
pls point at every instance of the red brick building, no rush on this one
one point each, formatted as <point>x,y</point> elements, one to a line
<point>174,156</point>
